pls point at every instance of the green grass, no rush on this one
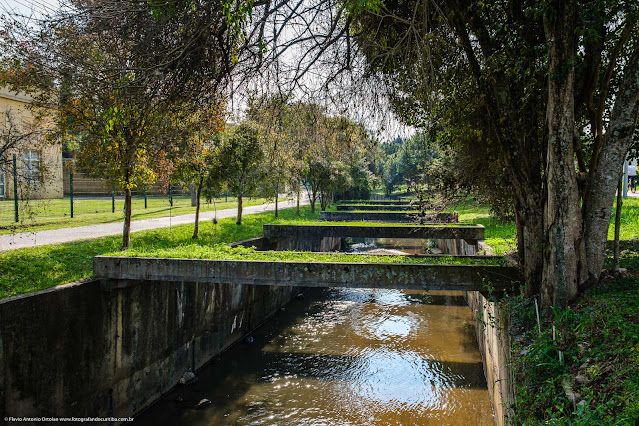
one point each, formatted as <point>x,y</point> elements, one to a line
<point>629,220</point>
<point>37,268</point>
<point>599,341</point>
<point>598,337</point>
<point>499,234</point>
<point>223,252</point>
<point>39,215</point>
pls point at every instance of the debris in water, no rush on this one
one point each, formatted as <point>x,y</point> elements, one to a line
<point>203,403</point>
<point>188,378</point>
<point>249,339</point>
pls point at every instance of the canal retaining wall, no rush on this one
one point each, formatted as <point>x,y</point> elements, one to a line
<point>390,217</point>
<point>493,338</point>
<point>103,349</point>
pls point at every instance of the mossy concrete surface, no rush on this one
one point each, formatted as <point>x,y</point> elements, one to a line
<point>465,232</point>
<point>375,201</point>
<point>377,207</point>
<point>120,271</point>
<point>392,217</point>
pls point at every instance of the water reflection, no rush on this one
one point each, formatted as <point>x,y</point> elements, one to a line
<point>345,357</point>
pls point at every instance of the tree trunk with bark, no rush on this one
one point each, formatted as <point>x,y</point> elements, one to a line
<point>608,168</point>
<point>198,194</point>
<point>238,220</point>
<point>126,231</point>
<point>564,266</point>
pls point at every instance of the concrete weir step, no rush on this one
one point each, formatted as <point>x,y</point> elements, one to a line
<point>392,217</point>
<point>423,232</point>
<point>376,201</point>
<point>378,207</point>
<point>118,272</point>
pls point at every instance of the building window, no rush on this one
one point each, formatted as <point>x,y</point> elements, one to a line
<point>31,164</point>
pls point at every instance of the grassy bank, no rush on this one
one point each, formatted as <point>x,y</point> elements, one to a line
<point>37,268</point>
<point>223,252</point>
<point>595,380</point>
<point>39,215</point>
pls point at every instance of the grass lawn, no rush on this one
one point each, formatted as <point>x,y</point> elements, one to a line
<point>38,215</point>
<point>38,268</point>
<point>223,252</point>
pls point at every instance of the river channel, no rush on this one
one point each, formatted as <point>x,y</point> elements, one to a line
<point>342,357</point>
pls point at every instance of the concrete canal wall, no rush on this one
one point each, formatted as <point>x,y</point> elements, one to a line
<point>86,349</point>
<point>373,207</point>
<point>493,338</point>
<point>390,217</point>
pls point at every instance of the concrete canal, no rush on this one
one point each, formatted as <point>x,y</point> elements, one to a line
<point>344,356</point>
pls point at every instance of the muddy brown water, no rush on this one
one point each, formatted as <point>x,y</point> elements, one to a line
<point>344,357</point>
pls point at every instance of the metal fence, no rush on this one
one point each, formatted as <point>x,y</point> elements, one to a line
<point>85,209</point>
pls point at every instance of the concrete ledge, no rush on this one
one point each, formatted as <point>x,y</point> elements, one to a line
<point>375,207</point>
<point>392,217</point>
<point>260,243</point>
<point>305,274</point>
<point>376,202</point>
<point>466,232</point>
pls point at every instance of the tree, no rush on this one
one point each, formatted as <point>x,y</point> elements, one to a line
<point>192,164</point>
<point>117,75</point>
<point>272,114</point>
<point>236,163</point>
<point>528,86</point>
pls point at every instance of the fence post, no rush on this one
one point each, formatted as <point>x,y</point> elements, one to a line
<point>145,196</point>
<point>171,195</point>
<point>71,189</point>
<point>625,178</point>
<point>112,199</point>
<point>15,188</point>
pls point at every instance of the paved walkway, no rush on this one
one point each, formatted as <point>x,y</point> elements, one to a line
<point>63,235</point>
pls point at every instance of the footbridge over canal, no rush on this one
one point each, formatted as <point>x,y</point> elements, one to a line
<point>116,272</point>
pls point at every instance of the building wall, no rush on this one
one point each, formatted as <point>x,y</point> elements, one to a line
<point>50,185</point>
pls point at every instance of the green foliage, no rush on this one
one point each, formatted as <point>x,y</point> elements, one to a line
<point>235,163</point>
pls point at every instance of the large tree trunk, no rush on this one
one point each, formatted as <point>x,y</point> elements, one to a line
<point>198,194</point>
<point>126,231</point>
<point>238,220</point>
<point>530,242</point>
<point>608,169</point>
<point>564,266</point>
